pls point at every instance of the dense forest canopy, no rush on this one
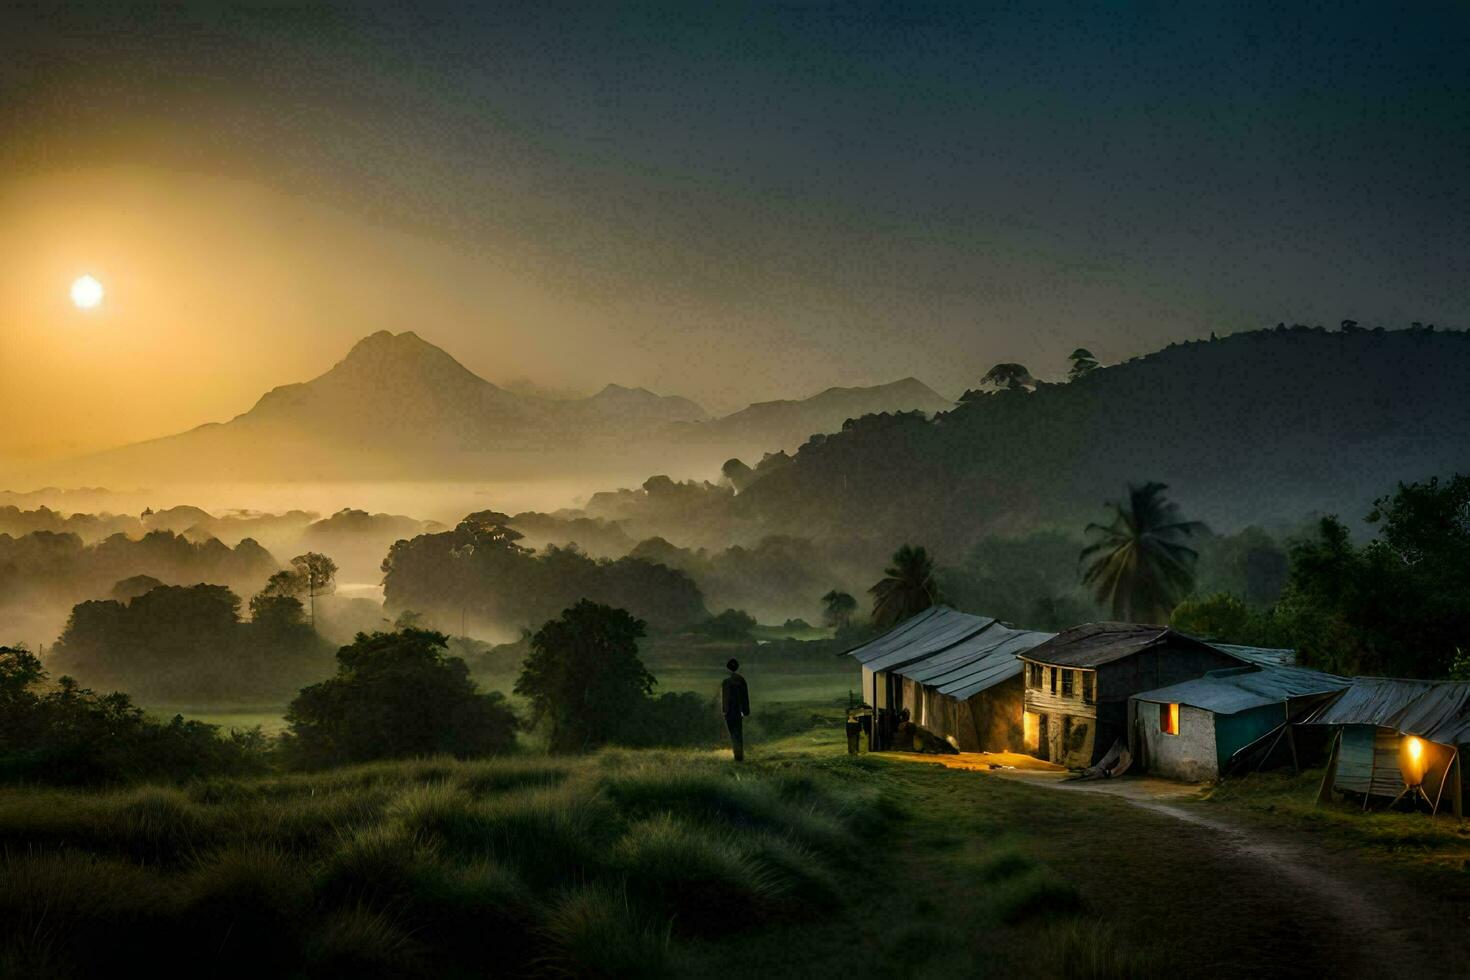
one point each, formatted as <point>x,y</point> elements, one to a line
<point>479,574</point>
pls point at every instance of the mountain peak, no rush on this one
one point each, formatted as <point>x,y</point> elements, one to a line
<point>384,341</point>
<point>385,354</point>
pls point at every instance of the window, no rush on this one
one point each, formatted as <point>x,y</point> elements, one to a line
<point>1053,679</point>
<point>1066,683</point>
<point>1033,676</point>
<point>1088,677</point>
<point>1169,719</point>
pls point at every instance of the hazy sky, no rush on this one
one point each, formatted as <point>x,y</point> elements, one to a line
<point>724,201</point>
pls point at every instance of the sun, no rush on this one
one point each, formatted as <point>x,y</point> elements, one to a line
<point>86,293</point>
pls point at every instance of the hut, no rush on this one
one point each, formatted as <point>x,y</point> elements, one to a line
<point>956,674</point>
<point>1205,728</point>
<point>1079,683</point>
<point>1396,738</point>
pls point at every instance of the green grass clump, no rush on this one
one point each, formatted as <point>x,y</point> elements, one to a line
<point>353,943</point>
<point>1039,894</point>
<point>705,883</point>
<point>1005,864</point>
<point>594,931</point>
<point>710,796</point>
<point>245,903</point>
<point>1090,949</point>
<point>76,914</point>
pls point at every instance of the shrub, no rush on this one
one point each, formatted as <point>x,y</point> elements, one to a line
<point>396,695</point>
<point>72,735</point>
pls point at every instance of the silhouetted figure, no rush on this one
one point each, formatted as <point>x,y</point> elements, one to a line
<point>859,722</point>
<point>735,703</point>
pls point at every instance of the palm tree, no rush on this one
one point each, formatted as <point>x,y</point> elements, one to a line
<point>837,609</point>
<point>1008,375</point>
<point>1082,363</point>
<point>1138,568</point>
<point>908,587</point>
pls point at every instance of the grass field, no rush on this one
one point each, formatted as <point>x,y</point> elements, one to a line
<point>1283,799</point>
<point>802,862</point>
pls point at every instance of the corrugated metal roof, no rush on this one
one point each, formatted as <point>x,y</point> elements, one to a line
<point>1226,692</point>
<point>1096,644</point>
<point>930,632</point>
<point>976,663</point>
<point>1436,710</point>
<point>1273,656</point>
<point>956,652</point>
<point>998,664</point>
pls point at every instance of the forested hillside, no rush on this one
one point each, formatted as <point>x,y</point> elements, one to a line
<point>1255,428</point>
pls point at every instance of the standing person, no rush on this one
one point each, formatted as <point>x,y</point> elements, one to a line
<point>735,703</point>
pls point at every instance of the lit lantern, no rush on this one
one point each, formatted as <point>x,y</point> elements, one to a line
<point>1412,760</point>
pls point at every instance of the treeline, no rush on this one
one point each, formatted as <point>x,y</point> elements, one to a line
<point>189,643</point>
<point>393,695</point>
<point>44,574</point>
<point>1255,428</point>
<point>1397,605</point>
<point>479,575</point>
<point>65,733</point>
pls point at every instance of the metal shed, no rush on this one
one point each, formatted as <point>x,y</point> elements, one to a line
<point>1397,738</point>
<point>957,675</point>
<point>1204,728</point>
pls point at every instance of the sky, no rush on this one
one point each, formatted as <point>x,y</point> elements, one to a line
<point>731,202</point>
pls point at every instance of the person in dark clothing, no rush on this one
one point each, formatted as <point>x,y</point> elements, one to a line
<point>735,703</point>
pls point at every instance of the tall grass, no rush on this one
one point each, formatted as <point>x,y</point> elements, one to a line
<point>431,868</point>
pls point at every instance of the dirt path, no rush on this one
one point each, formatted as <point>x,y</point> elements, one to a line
<point>1372,912</point>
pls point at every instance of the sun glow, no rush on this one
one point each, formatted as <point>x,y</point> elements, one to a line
<point>86,293</point>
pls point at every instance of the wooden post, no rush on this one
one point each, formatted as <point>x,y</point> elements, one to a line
<point>1324,795</point>
<point>1459,798</point>
<point>1372,770</point>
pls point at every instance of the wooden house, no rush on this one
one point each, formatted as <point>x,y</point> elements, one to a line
<point>956,674</point>
<point>1078,684</point>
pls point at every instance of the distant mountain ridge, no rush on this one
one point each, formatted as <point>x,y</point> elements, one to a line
<point>785,424</point>
<point>397,406</point>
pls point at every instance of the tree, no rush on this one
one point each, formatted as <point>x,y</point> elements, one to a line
<point>1399,605</point>
<point>584,678</point>
<point>396,695</point>
<point>133,586</point>
<point>318,576</point>
<point>1082,363</point>
<point>837,609</point>
<point>1227,619</point>
<point>732,624</point>
<point>65,733</point>
<point>1008,376</point>
<point>1138,568</point>
<point>907,588</point>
